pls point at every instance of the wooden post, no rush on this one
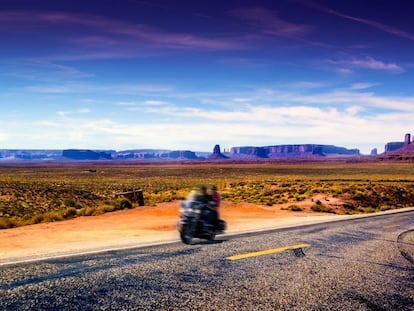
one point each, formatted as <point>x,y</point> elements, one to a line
<point>135,196</point>
<point>140,198</point>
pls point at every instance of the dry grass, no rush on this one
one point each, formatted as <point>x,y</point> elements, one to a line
<point>36,194</point>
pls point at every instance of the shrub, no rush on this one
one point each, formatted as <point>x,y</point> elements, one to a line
<point>86,211</point>
<point>72,203</point>
<point>108,208</point>
<point>69,213</point>
<point>122,204</point>
<point>349,205</point>
<point>6,222</point>
<point>69,202</point>
<point>322,208</point>
<point>53,216</point>
<point>369,210</point>
<point>385,208</point>
<point>300,198</point>
<point>37,219</point>
<point>295,208</point>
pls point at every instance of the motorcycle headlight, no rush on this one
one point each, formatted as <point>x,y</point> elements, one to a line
<point>188,210</point>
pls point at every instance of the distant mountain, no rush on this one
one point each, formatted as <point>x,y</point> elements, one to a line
<point>403,150</point>
<point>155,151</point>
<point>29,154</point>
<point>237,153</point>
<point>76,154</point>
<point>292,151</point>
<point>155,154</point>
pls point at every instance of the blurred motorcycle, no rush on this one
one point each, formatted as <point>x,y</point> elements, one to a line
<point>194,222</point>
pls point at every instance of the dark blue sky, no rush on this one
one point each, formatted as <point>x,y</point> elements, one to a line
<point>189,74</point>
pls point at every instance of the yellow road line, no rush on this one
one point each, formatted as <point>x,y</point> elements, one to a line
<point>268,251</point>
<point>390,226</point>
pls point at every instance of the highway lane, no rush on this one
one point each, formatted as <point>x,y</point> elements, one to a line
<point>360,264</point>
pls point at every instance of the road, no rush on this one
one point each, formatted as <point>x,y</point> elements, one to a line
<point>359,264</point>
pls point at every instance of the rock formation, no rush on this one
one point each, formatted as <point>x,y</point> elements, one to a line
<point>392,146</point>
<point>179,154</point>
<point>260,152</point>
<point>76,154</point>
<point>399,150</point>
<point>217,153</point>
<point>301,150</point>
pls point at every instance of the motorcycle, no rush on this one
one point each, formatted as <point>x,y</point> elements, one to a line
<point>193,222</point>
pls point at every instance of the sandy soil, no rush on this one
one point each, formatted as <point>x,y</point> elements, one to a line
<point>139,226</point>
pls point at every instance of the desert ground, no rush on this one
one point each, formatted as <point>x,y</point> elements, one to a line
<point>139,226</point>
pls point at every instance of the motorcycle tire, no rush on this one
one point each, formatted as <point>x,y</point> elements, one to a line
<point>185,235</point>
<point>211,237</point>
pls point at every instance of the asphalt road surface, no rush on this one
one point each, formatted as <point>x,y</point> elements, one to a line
<point>360,264</point>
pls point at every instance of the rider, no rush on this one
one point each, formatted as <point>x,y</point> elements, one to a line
<point>204,197</point>
<point>207,200</point>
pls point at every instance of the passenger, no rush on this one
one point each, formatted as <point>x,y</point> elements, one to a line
<point>216,197</point>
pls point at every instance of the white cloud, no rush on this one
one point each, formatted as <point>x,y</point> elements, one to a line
<point>242,100</point>
<point>295,125</point>
<point>371,63</point>
<point>64,114</point>
<point>41,71</point>
<point>306,85</point>
<point>344,71</point>
<point>79,88</point>
<point>3,137</point>
<point>143,105</point>
<point>351,97</point>
<point>361,86</point>
<point>354,110</point>
<point>344,117</point>
<point>367,63</point>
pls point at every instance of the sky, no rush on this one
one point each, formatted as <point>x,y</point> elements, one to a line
<point>186,75</point>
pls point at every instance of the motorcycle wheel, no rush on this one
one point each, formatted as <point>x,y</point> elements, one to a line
<point>211,237</point>
<point>185,235</point>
